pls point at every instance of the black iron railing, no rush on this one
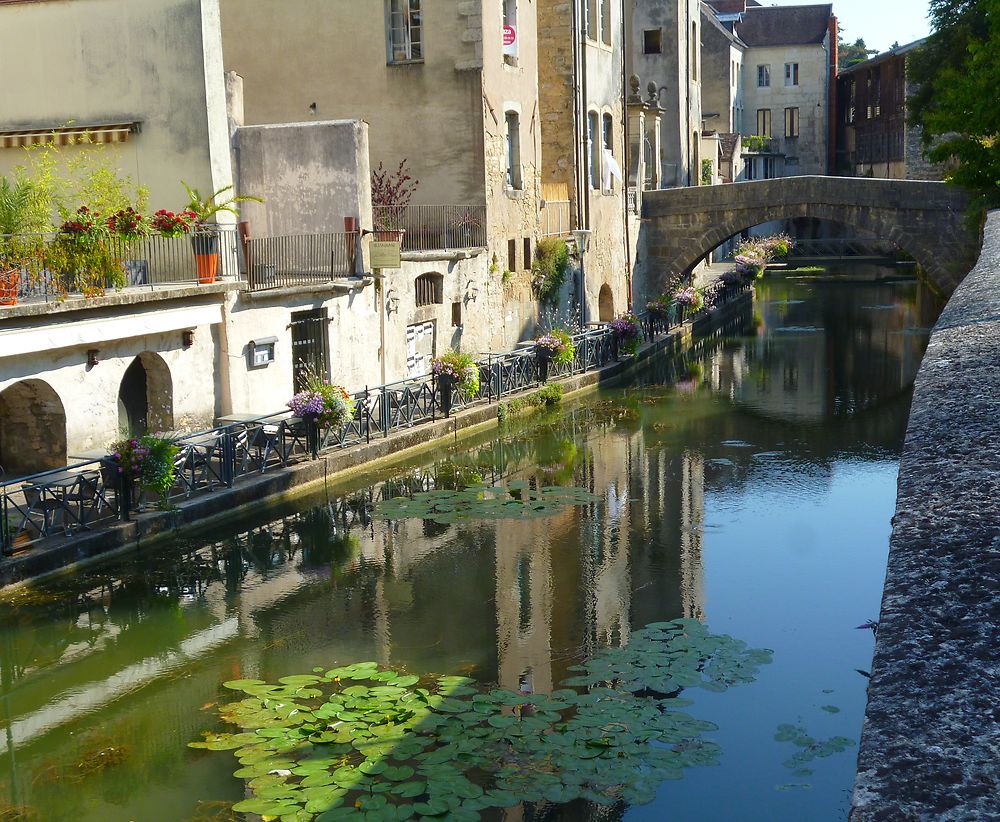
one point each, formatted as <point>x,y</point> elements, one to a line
<point>67,501</point>
<point>433,227</point>
<point>280,262</point>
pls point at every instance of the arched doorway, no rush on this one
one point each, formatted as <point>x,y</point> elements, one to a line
<point>146,396</point>
<point>606,304</point>
<point>32,428</point>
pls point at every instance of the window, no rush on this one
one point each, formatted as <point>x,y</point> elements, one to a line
<point>791,122</point>
<point>510,21</point>
<point>512,255</point>
<point>791,74</point>
<point>405,32</point>
<point>513,151</point>
<point>606,22</point>
<point>853,102</point>
<point>764,122</point>
<point>769,166</point>
<point>527,254</point>
<point>608,145</point>
<point>763,76</point>
<point>456,314</point>
<point>591,18</point>
<point>749,170</point>
<point>429,289</point>
<point>594,138</point>
<point>652,41</point>
<point>695,51</point>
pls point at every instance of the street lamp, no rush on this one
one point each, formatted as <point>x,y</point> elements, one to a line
<point>581,236</point>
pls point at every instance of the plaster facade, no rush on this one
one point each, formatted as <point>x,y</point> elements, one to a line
<point>674,66</point>
<point>163,73</point>
<point>722,85</point>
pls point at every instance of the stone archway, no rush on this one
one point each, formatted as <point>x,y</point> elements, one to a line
<point>927,220</point>
<point>605,304</point>
<point>32,428</point>
<point>146,396</point>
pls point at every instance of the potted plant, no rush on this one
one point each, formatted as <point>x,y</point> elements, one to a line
<point>626,331</point>
<point>20,242</point>
<point>205,239</point>
<point>127,228</point>
<point>556,346</point>
<point>689,301</point>
<point>392,192</point>
<point>84,255</point>
<point>324,404</point>
<point>659,307</point>
<point>146,463</point>
<point>454,371</point>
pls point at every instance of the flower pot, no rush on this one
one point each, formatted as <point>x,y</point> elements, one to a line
<point>206,257</point>
<point>542,359</point>
<point>10,282</point>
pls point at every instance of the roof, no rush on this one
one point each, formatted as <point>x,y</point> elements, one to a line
<point>899,51</point>
<point>785,25</point>
<point>731,6</point>
<point>727,144</point>
<point>712,20</point>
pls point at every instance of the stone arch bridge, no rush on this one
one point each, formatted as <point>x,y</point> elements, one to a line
<point>926,219</point>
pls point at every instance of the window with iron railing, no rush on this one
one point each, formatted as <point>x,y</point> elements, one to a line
<point>429,289</point>
<point>404,31</point>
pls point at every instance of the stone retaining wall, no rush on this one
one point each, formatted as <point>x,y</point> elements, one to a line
<point>930,746</point>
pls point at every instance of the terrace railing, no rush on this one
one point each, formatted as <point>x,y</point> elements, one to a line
<point>554,217</point>
<point>75,498</point>
<point>149,262</point>
<point>304,259</point>
<point>433,227</point>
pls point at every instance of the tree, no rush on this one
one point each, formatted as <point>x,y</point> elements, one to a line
<point>853,53</point>
<point>957,75</point>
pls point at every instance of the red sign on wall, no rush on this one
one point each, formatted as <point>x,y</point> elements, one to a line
<point>509,35</point>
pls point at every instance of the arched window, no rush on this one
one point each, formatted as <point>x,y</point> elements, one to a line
<point>429,289</point>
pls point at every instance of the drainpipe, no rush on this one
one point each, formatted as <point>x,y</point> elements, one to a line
<point>583,133</point>
<point>625,160</point>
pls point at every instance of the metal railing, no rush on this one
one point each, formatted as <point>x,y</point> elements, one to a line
<point>433,227</point>
<point>50,268</point>
<point>632,200</point>
<point>554,217</point>
<point>75,498</point>
<point>278,262</point>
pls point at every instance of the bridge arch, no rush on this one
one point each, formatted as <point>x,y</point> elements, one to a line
<point>681,226</point>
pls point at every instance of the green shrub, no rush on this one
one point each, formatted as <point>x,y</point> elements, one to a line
<point>549,269</point>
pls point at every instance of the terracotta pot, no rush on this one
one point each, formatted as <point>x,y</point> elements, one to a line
<point>206,257</point>
<point>10,281</point>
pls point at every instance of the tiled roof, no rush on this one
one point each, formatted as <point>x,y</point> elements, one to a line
<point>784,25</point>
<point>727,144</point>
<point>714,22</point>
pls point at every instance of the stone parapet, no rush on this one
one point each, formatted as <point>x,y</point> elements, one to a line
<point>930,745</point>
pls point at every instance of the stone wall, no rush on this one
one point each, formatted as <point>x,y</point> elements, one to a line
<point>931,739</point>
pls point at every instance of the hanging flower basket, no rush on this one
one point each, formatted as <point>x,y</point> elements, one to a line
<point>454,371</point>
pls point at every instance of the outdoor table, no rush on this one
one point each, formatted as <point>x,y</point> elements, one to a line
<point>89,456</point>
<point>53,493</point>
<point>249,416</point>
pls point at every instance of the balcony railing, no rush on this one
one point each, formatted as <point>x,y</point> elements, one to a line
<point>554,217</point>
<point>433,227</point>
<point>306,259</point>
<point>44,272</point>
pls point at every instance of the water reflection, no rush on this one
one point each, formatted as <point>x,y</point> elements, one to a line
<point>691,458</point>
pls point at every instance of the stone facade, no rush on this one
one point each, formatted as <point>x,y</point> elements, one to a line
<point>925,219</point>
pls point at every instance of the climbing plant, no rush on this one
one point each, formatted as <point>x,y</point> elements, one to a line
<point>548,272</point>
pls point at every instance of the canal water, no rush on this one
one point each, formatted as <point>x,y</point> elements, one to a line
<point>748,486</point>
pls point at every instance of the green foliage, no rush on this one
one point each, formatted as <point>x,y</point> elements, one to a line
<point>149,461</point>
<point>361,742</point>
<point>706,172</point>
<point>461,368</point>
<point>755,142</point>
<point>850,54</point>
<point>549,268</point>
<point>956,74</point>
<point>208,208</point>
<point>545,397</point>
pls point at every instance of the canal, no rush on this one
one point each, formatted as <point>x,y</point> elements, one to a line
<point>748,486</point>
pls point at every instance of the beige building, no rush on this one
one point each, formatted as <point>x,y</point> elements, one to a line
<point>789,67</point>
<point>582,53</point>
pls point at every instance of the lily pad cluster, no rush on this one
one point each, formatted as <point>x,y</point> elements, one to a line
<point>361,742</point>
<point>810,748</point>
<point>518,500</point>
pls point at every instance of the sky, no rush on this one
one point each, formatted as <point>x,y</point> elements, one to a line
<point>880,22</point>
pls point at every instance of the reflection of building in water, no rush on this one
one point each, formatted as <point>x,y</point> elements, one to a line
<point>692,534</point>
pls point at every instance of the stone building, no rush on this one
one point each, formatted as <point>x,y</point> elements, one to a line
<point>789,66</point>
<point>664,53</point>
<point>440,89</point>
<point>873,136</point>
<point>581,62</point>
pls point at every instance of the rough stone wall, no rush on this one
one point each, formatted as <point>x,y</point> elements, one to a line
<point>925,219</point>
<point>32,429</point>
<point>930,744</point>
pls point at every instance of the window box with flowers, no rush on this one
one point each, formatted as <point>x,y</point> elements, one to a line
<point>454,372</point>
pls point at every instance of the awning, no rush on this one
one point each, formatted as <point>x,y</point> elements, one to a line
<point>69,135</point>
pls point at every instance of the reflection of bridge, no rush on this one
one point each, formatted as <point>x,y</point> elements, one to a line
<point>926,220</point>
